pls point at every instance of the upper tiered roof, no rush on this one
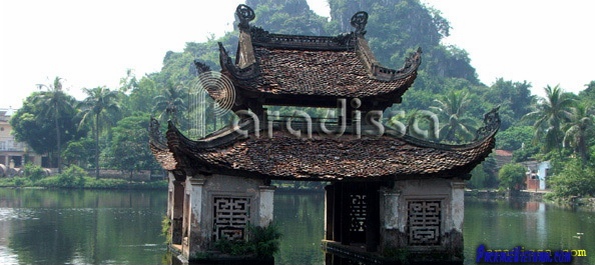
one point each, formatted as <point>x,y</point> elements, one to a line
<point>296,70</point>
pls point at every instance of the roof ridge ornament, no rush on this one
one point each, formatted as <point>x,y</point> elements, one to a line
<point>155,136</point>
<point>359,21</point>
<point>491,121</point>
<point>243,74</point>
<point>245,14</point>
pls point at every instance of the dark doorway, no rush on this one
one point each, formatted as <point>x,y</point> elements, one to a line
<point>353,213</point>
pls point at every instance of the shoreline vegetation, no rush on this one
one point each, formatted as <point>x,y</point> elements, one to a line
<point>74,177</point>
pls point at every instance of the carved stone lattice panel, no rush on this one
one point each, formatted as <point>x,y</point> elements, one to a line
<point>230,216</point>
<point>358,210</point>
<point>423,222</point>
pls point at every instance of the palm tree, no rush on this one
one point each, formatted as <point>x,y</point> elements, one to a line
<point>54,102</point>
<point>170,103</point>
<point>452,106</point>
<point>577,130</point>
<point>99,103</point>
<point>549,116</point>
<point>128,83</point>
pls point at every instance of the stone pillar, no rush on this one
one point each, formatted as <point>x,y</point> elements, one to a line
<point>391,209</point>
<point>458,204</point>
<point>177,212</point>
<point>170,196</point>
<point>454,236</point>
<point>392,220</point>
<point>265,213</point>
<point>198,235</point>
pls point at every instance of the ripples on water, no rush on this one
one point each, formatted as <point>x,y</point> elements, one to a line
<point>7,256</point>
<point>7,214</point>
<point>81,227</point>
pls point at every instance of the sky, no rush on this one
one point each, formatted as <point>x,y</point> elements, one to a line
<point>93,43</point>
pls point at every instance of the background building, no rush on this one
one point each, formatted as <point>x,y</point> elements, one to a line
<point>14,154</point>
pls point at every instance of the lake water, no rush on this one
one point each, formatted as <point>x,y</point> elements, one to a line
<point>124,227</point>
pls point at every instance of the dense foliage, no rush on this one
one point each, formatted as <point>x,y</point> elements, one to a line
<point>34,124</point>
<point>107,129</point>
<point>512,176</point>
<point>574,180</point>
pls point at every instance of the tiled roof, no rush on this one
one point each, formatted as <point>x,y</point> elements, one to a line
<point>159,147</point>
<point>320,73</point>
<point>269,66</point>
<point>284,156</point>
<point>164,157</point>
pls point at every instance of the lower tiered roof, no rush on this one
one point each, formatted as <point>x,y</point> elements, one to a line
<point>282,155</point>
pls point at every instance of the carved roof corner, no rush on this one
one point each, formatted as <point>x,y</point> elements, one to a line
<point>491,121</point>
<point>155,136</point>
<point>159,147</point>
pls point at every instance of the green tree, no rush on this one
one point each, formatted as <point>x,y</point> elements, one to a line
<point>140,98</point>
<point>95,108</point>
<point>550,114</point>
<point>178,68</point>
<point>54,102</point>
<point>515,95</point>
<point>479,178</point>
<point>129,148</point>
<point>528,152</point>
<point>31,126</point>
<point>452,107</point>
<point>72,177</point>
<point>588,93</point>
<point>577,131</point>
<point>33,172</point>
<point>287,17</point>
<point>514,138</point>
<point>79,152</point>
<point>512,176</point>
<point>573,180</point>
<point>129,82</point>
<point>396,27</point>
<point>170,103</point>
